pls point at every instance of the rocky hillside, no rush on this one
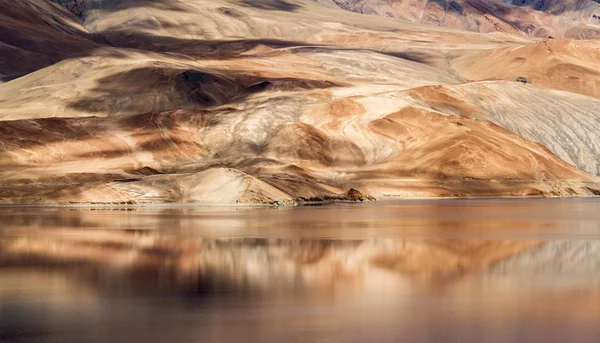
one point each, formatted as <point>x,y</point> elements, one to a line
<point>280,102</point>
<point>538,18</point>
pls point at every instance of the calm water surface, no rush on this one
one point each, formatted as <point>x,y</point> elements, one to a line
<point>410,271</point>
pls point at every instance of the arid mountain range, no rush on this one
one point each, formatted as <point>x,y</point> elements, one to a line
<point>276,102</point>
<point>538,18</point>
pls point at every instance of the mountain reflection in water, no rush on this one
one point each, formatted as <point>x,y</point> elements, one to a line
<point>412,271</point>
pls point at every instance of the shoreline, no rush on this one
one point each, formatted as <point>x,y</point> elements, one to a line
<point>384,200</point>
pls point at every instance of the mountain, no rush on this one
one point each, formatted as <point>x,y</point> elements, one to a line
<point>281,102</point>
<point>538,18</point>
<point>37,34</point>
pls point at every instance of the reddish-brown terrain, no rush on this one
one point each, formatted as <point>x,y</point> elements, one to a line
<point>279,102</point>
<point>538,18</point>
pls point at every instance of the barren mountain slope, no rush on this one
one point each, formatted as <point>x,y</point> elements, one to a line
<point>35,34</point>
<point>120,81</point>
<point>539,18</point>
<point>283,101</point>
<point>570,65</point>
<point>301,149</point>
<point>568,124</point>
<point>229,40</point>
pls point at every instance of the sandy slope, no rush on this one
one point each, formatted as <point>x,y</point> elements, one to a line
<point>565,123</point>
<point>569,65</point>
<point>270,101</point>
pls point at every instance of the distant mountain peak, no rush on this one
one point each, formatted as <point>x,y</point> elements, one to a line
<point>538,18</point>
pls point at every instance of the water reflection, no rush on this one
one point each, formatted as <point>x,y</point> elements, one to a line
<point>474,271</point>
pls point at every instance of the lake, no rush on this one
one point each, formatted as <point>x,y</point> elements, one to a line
<point>491,270</point>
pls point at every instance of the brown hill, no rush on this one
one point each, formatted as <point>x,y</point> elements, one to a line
<point>35,34</point>
<point>283,101</point>
<point>569,65</point>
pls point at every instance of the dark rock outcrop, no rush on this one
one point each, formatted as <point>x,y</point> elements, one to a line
<point>77,7</point>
